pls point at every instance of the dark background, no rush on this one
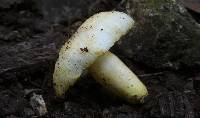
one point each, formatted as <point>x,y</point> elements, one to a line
<point>32,32</point>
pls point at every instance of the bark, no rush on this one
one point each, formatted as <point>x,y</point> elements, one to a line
<point>165,36</point>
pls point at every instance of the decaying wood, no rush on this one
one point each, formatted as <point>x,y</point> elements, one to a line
<point>166,35</point>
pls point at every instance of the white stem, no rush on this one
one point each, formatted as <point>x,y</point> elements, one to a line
<point>113,74</point>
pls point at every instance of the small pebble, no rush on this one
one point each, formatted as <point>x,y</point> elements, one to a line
<point>38,104</point>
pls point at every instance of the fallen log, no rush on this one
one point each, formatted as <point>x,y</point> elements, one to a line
<point>166,35</point>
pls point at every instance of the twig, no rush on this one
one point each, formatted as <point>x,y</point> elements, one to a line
<point>151,74</point>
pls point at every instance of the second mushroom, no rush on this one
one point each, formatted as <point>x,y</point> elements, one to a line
<point>88,48</point>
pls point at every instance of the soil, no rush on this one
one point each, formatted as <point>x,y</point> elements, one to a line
<point>31,34</point>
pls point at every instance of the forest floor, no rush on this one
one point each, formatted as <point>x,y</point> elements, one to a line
<point>31,34</point>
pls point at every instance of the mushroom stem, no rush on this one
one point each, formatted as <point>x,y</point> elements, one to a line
<point>113,74</point>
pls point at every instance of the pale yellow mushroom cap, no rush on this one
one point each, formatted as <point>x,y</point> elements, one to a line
<point>93,38</point>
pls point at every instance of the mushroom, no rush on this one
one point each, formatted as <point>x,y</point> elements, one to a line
<point>92,39</point>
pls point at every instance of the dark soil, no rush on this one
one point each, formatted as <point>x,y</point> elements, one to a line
<point>31,34</point>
